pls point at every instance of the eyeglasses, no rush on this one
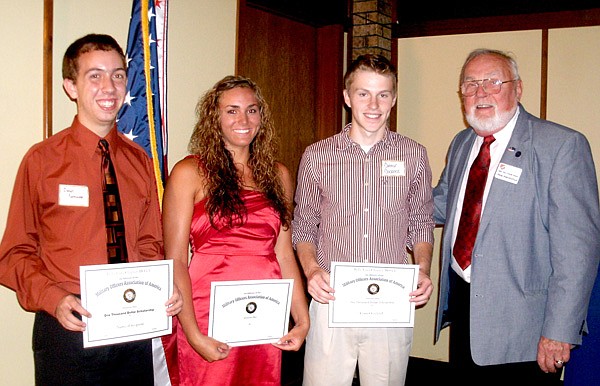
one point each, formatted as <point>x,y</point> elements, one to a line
<point>490,86</point>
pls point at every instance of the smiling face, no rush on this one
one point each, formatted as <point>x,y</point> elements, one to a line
<point>489,113</point>
<point>99,89</point>
<point>371,97</point>
<point>239,113</point>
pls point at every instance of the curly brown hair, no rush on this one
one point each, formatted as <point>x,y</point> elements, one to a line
<point>223,182</point>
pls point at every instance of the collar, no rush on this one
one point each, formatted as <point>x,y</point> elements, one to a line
<point>89,140</point>
<point>345,142</point>
<point>506,132</point>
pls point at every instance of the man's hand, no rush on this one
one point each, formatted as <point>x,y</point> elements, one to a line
<point>318,285</point>
<point>421,295</point>
<point>552,354</point>
<point>64,313</point>
<point>175,302</point>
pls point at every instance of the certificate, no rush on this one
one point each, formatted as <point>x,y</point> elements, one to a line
<point>249,312</point>
<point>372,295</point>
<point>127,301</point>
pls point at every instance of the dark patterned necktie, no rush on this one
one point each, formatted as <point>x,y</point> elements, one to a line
<point>472,204</point>
<point>113,213</point>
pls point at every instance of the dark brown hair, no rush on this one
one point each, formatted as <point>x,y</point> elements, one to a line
<point>87,43</point>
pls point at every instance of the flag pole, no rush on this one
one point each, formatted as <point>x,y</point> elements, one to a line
<point>47,67</point>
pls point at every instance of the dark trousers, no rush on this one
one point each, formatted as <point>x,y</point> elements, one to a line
<point>464,369</point>
<point>61,360</point>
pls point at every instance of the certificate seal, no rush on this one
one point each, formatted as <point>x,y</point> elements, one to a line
<point>251,307</point>
<point>373,288</point>
<point>129,295</point>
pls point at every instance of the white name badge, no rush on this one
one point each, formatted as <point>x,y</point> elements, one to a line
<point>73,195</point>
<point>391,168</point>
<point>508,173</point>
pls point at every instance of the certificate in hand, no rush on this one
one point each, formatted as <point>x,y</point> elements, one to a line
<point>372,295</point>
<point>127,301</point>
<point>249,312</point>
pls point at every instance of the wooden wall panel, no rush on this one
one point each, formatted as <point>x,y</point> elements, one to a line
<point>279,55</point>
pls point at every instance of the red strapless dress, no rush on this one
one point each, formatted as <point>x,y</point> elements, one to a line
<point>241,253</point>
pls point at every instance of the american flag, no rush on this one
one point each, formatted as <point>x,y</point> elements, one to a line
<point>143,115</point>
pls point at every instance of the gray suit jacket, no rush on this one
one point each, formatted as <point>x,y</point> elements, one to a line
<point>538,246</point>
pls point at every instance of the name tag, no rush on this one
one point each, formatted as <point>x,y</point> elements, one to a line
<point>392,168</point>
<point>508,173</point>
<point>73,195</point>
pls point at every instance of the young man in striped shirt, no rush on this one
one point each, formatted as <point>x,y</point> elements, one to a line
<point>363,196</point>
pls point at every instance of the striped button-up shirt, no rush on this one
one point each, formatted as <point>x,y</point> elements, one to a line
<point>363,207</point>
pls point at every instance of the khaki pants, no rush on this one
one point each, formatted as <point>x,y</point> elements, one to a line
<point>332,353</point>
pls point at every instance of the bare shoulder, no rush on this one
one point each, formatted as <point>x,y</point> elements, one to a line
<point>283,171</point>
<point>185,176</point>
<point>282,168</point>
<point>186,168</point>
<point>286,177</point>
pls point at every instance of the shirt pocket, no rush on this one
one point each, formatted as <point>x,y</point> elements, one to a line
<point>393,192</point>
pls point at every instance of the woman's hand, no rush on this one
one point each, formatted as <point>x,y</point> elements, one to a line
<point>210,349</point>
<point>294,339</point>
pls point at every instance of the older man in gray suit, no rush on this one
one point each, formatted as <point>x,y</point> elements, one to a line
<point>521,241</point>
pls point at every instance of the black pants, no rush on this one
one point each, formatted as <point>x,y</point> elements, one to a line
<point>61,360</point>
<point>464,370</point>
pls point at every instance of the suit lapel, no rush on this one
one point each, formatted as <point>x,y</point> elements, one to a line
<point>516,154</point>
<point>460,166</point>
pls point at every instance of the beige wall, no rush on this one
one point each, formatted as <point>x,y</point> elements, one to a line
<point>20,127</point>
<point>201,51</point>
<point>429,108</point>
<point>574,82</point>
